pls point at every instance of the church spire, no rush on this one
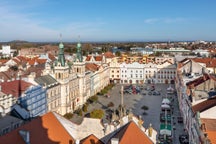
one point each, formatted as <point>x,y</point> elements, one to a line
<point>79,51</point>
<point>61,58</point>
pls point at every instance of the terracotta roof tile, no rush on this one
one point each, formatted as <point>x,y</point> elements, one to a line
<point>98,58</point>
<point>15,87</point>
<point>41,61</point>
<point>132,134</point>
<point>31,62</point>
<point>92,67</point>
<point>210,128</point>
<point>88,58</point>
<point>2,61</point>
<point>109,55</point>
<point>51,57</point>
<point>210,62</point>
<point>44,130</point>
<point>91,139</point>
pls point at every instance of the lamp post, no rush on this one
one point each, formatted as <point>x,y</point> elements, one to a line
<point>174,128</point>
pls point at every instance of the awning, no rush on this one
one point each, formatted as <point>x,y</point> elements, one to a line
<point>165,101</point>
<point>170,88</point>
<point>165,106</point>
<point>165,129</point>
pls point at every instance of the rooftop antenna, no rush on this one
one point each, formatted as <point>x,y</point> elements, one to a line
<point>60,35</point>
<point>78,38</point>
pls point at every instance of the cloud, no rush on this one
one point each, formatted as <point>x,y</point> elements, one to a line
<point>151,20</point>
<point>164,20</point>
<point>15,25</point>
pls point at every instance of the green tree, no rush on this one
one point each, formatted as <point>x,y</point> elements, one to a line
<point>93,99</point>
<point>85,108</point>
<point>78,112</point>
<point>97,113</point>
<point>118,53</point>
<point>145,108</point>
<point>68,115</point>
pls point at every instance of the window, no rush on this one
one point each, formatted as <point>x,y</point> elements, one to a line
<point>112,71</point>
<point>131,71</point>
<point>117,71</point>
<point>122,71</point>
<point>125,75</point>
<point>122,75</point>
<point>131,76</point>
<point>140,71</point>
<point>112,75</point>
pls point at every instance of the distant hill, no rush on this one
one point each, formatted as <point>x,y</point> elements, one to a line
<point>18,41</point>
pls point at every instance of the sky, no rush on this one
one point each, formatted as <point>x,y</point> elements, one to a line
<point>107,20</point>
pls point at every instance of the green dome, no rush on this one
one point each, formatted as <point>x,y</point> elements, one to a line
<point>79,45</point>
<point>61,45</point>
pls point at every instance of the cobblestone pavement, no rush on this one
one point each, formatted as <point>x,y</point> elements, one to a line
<point>136,101</point>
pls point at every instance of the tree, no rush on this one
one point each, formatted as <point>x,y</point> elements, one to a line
<point>93,99</point>
<point>97,113</point>
<point>144,108</point>
<point>85,108</point>
<point>78,112</point>
<point>68,115</point>
<point>118,53</point>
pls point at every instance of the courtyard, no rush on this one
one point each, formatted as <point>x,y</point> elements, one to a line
<point>135,102</point>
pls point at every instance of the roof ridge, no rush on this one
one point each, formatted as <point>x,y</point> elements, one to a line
<point>54,114</point>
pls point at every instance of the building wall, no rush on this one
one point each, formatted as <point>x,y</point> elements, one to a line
<point>137,73</point>
<point>6,102</point>
<point>34,100</point>
<point>54,98</point>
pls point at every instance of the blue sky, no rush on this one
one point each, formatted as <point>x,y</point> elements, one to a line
<point>107,20</point>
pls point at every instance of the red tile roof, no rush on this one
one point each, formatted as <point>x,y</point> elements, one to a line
<point>2,61</point>
<point>210,129</point>
<point>209,103</point>
<point>43,130</point>
<point>88,58</point>
<point>41,61</point>
<point>132,134</point>
<point>210,62</point>
<point>98,58</point>
<point>91,139</point>
<point>109,55</point>
<point>51,57</point>
<point>92,67</point>
<point>15,87</point>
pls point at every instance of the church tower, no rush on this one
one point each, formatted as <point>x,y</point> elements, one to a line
<point>79,68</point>
<point>79,52</point>
<point>61,58</point>
<point>61,74</point>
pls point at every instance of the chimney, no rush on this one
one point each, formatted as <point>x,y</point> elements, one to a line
<point>114,141</point>
<point>25,135</point>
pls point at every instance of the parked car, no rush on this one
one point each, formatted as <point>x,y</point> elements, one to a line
<point>150,93</point>
<point>183,139</point>
<point>180,119</point>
